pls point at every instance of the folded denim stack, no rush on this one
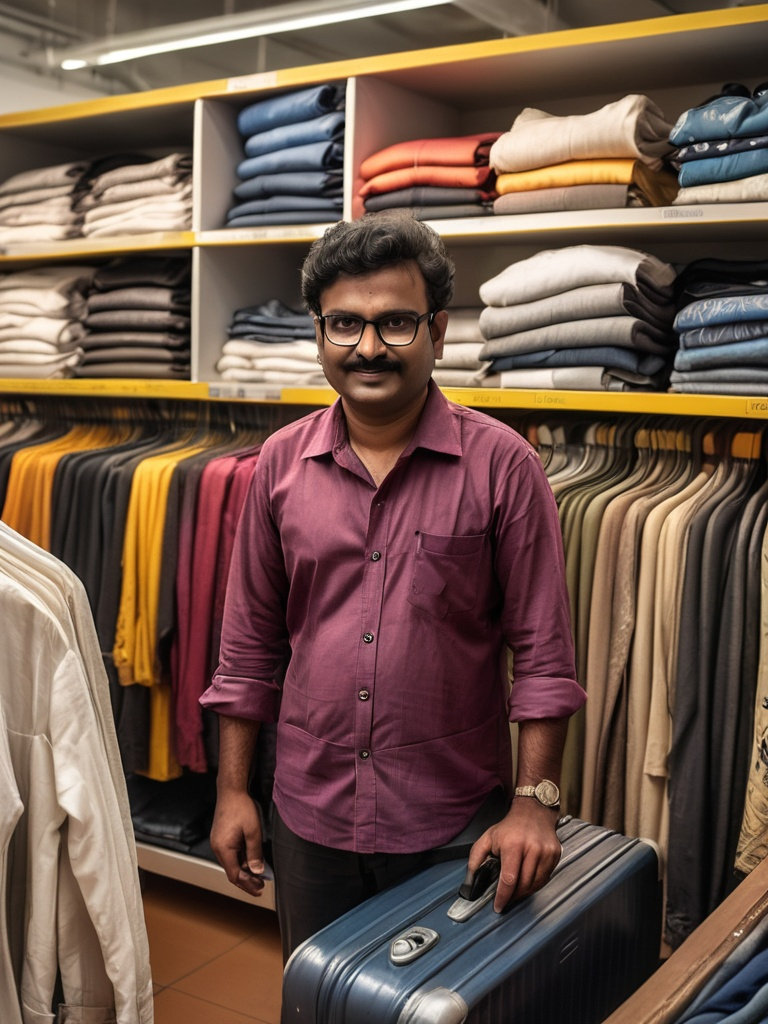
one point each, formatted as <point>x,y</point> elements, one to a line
<point>587,317</point>
<point>41,314</point>
<point>723,328</point>
<point>722,150</point>
<point>271,343</point>
<point>37,205</point>
<point>612,157</point>
<point>139,197</point>
<point>138,319</point>
<point>435,178</point>
<point>294,158</point>
<point>461,361</point>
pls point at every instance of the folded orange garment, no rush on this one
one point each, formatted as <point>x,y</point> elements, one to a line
<point>447,177</point>
<point>454,151</point>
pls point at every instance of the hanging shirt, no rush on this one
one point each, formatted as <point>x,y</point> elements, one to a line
<point>395,605</point>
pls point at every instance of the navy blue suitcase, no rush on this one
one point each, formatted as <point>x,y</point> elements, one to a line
<point>419,954</point>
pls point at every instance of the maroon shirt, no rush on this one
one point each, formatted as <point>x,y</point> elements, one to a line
<point>395,606</point>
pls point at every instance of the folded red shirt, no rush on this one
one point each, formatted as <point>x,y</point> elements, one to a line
<point>454,151</point>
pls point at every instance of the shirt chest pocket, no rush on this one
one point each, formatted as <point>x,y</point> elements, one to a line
<point>449,573</point>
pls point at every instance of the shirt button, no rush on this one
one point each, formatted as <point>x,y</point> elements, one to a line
<point>367,638</point>
<point>376,555</point>
<point>364,694</point>
<point>365,754</point>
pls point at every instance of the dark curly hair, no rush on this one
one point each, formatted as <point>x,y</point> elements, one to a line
<point>375,241</point>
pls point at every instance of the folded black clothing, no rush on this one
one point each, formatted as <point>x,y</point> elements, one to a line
<point>179,811</point>
<point>140,370</point>
<point>137,320</point>
<point>128,271</point>
<point>116,339</point>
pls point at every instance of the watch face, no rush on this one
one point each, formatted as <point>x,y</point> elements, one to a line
<point>547,793</point>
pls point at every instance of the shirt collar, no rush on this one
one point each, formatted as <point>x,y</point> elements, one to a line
<point>438,428</point>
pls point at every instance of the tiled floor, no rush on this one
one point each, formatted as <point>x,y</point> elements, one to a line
<point>214,960</point>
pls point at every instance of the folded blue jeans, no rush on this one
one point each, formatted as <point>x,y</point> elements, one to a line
<point>723,334</point>
<point>296,183</point>
<point>289,108</point>
<point>720,310</point>
<point>277,204</point>
<point>315,156</point>
<point>286,136</point>
<point>730,167</point>
<point>737,353</point>
<point>611,356</point>
<point>255,220</point>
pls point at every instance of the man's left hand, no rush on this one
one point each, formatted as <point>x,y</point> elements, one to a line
<point>527,845</point>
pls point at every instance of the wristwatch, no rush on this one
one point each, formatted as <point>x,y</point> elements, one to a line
<point>546,793</point>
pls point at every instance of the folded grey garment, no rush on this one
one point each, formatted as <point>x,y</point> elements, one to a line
<point>134,353</point>
<point>446,377</point>
<point>174,300</point>
<point>39,302</point>
<point>140,370</point>
<point>623,331</point>
<point>565,197</point>
<point>116,339</point>
<point>595,300</point>
<point>316,379</point>
<point>559,270</point>
<point>744,190</point>
<point>633,126</point>
<point>129,191</point>
<point>129,271</point>
<point>461,356</point>
<point>149,207</point>
<point>137,320</point>
<point>35,196</point>
<point>36,234</point>
<point>112,227</point>
<point>176,165</point>
<point>52,329</point>
<point>444,212</point>
<point>64,279</point>
<point>256,349</point>
<point>45,177</point>
<point>424,195</point>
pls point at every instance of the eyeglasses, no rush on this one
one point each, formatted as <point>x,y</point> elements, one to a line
<point>394,329</point>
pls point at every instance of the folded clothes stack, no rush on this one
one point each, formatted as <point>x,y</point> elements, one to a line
<point>723,328</point>
<point>722,150</point>
<point>587,317</point>
<point>461,361</point>
<point>41,314</point>
<point>273,344</point>
<point>444,177</point>
<point>138,319</point>
<point>37,205</point>
<point>294,158</point>
<point>611,157</point>
<point>139,197</point>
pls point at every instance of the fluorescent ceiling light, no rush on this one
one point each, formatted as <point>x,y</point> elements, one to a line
<point>231,28</point>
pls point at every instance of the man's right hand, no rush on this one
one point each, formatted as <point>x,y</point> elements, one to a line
<point>237,841</point>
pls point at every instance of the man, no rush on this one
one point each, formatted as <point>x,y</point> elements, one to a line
<point>391,548</point>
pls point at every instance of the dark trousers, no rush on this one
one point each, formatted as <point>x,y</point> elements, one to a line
<point>316,884</point>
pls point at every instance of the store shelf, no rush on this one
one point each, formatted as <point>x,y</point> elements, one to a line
<point>83,248</point>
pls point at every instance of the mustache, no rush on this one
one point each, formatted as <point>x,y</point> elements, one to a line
<point>379,365</point>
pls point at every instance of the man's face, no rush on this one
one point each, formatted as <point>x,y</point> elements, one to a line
<point>377,379</point>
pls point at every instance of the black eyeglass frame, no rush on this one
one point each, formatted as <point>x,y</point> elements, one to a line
<point>429,317</point>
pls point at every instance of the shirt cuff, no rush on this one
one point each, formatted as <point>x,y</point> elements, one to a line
<point>545,698</point>
<point>238,697</point>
